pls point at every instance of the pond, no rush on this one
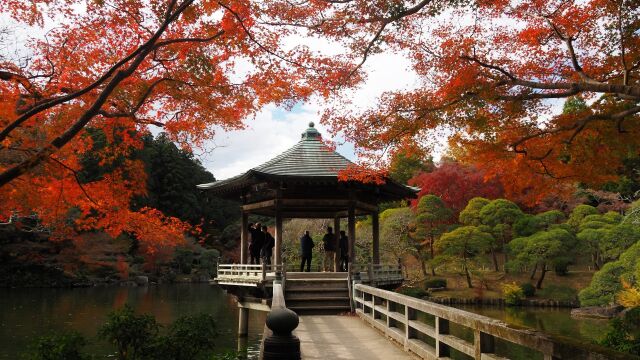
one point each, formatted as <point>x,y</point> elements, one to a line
<point>555,321</point>
<point>26,314</point>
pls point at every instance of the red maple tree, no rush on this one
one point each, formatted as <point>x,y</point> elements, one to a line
<point>494,75</point>
<point>122,67</point>
<point>456,184</point>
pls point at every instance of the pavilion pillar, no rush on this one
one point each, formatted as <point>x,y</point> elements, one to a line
<point>336,231</point>
<point>352,232</point>
<point>277,256</point>
<point>244,238</point>
<point>376,237</point>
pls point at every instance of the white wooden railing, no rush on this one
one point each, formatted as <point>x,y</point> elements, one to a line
<point>246,274</point>
<point>378,274</point>
<point>396,315</point>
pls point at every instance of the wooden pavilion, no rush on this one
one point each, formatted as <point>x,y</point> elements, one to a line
<point>302,182</point>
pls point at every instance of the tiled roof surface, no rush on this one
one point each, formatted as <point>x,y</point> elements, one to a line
<point>309,158</point>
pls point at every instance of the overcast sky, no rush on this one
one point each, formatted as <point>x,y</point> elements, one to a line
<point>275,129</point>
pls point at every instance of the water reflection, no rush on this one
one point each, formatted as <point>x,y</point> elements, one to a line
<point>550,320</point>
<point>29,313</point>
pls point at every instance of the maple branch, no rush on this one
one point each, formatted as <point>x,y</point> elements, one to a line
<point>488,66</point>
<point>75,175</point>
<point>367,50</point>
<point>386,21</point>
<point>568,40</point>
<point>196,40</point>
<point>138,105</point>
<point>557,95</point>
<point>255,41</point>
<point>629,91</point>
<point>577,127</point>
<point>49,103</point>
<point>20,79</point>
<point>57,143</point>
<point>623,61</point>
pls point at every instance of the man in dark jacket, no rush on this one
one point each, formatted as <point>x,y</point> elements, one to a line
<point>267,247</point>
<point>344,251</point>
<point>257,241</point>
<point>329,243</point>
<point>306,246</point>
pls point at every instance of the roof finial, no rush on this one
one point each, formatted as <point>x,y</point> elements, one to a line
<point>311,132</point>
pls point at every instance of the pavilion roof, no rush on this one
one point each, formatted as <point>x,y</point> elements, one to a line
<point>310,159</point>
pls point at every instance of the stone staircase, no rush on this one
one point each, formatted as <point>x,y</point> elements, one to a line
<point>317,293</point>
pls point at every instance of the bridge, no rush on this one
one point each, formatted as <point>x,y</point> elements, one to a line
<point>375,323</point>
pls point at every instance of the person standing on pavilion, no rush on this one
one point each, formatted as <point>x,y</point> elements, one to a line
<point>267,247</point>
<point>257,241</point>
<point>344,251</point>
<point>329,244</point>
<point>306,247</point>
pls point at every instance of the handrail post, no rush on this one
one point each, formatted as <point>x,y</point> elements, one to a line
<point>356,280</point>
<point>281,343</point>
<point>264,272</point>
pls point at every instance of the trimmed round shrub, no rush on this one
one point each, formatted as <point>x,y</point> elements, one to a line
<point>413,292</point>
<point>435,283</point>
<point>528,289</point>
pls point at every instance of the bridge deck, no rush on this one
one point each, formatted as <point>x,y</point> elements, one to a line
<point>342,338</point>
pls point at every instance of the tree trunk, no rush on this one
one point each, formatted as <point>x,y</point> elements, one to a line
<point>533,273</point>
<point>506,258</point>
<point>594,258</point>
<point>423,267</point>
<point>544,271</point>
<point>433,269</point>
<point>466,272</point>
<point>495,259</point>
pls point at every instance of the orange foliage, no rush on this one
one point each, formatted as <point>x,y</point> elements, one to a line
<point>494,77</point>
<point>123,67</point>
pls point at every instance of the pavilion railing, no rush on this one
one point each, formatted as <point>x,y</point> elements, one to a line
<point>432,330</point>
<point>246,274</point>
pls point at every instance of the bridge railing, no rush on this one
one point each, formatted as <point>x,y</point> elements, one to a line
<point>378,274</point>
<point>425,328</point>
<point>278,342</point>
<point>246,274</point>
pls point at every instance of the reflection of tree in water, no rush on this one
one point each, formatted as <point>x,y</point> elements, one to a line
<point>514,316</point>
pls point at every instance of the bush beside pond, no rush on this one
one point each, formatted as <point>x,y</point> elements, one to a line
<point>139,337</point>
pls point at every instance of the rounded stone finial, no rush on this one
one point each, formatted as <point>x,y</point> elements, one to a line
<point>311,124</point>
<point>282,321</point>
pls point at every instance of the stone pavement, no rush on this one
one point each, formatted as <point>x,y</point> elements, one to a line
<point>344,337</point>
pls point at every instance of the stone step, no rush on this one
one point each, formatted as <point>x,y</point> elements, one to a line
<point>327,310</point>
<point>295,284</point>
<point>316,275</point>
<point>317,296</point>
<point>317,303</point>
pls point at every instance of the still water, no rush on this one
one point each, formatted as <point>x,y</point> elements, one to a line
<point>554,321</point>
<point>26,314</point>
